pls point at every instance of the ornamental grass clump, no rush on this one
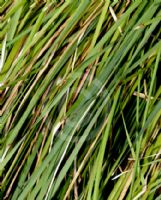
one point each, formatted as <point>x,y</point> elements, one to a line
<point>80,97</point>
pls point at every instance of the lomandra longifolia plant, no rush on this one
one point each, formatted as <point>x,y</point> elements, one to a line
<point>80,100</point>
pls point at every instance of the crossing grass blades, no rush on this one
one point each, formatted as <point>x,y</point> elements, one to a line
<point>80,97</point>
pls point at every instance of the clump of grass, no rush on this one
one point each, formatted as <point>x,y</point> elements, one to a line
<point>80,93</point>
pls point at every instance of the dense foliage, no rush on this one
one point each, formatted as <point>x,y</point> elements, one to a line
<point>80,99</point>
